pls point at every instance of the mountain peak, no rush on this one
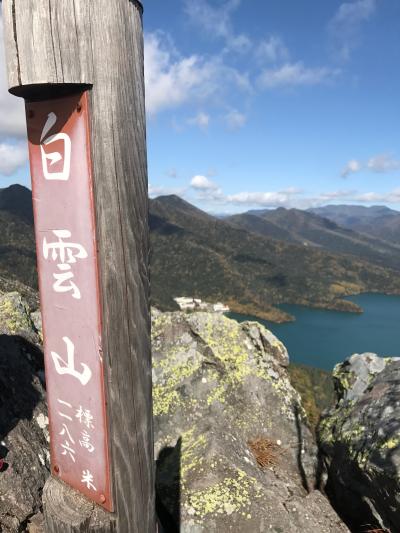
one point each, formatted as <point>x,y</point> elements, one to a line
<point>17,200</point>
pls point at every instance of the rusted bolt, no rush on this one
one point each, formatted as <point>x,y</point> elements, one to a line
<point>56,469</point>
<point>102,498</point>
<point>31,114</point>
<point>79,108</point>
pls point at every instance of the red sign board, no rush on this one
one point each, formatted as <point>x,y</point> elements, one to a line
<point>59,150</point>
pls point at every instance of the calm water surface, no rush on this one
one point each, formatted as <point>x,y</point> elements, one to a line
<point>323,338</point>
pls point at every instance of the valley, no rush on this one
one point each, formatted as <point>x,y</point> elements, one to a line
<point>251,262</point>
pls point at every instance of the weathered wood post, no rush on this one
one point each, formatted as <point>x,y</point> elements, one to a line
<point>79,66</point>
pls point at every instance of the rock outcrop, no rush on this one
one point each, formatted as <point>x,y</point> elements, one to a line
<point>23,418</point>
<point>233,449</point>
<point>360,441</point>
<point>234,452</point>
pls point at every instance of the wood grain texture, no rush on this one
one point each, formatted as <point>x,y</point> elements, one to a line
<point>120,178</point>
<point>100,42</point>
<point>66,511</point>
<point>58,40</point>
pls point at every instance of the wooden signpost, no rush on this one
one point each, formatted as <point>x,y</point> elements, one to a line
<point>79,66</point>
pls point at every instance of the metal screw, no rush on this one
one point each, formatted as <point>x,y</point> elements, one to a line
<point>31,114</point>
<point>56,469</point>
<point>102,498</point>
<point>79,108</point>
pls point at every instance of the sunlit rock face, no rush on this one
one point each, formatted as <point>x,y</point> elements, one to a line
<point>360,441</point>
<point>233,446</point>
<point>234,452</point>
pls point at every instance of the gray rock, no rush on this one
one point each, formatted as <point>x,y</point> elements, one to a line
<point>223,407</point>
<point>15,318</point>
<point>36,318</point>
<point>233,447</point>
<point>23,418</point>
<point>354,375</point>
<point>360,440</point>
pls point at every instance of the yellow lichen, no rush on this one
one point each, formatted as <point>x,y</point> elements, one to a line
<point>391,443</point>
<point>176,365</point>
<point>231,495</point>
<point>14,314</point>
<point>191,453</point>
<point>223,337</point>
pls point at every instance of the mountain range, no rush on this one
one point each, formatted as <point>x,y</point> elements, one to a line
<point>320,231</point>
<point>253,262</point>
<point>378,221</point>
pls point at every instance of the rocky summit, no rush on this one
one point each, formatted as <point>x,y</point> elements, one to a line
<point>233,448</point>
<point>360,442</point>
<point>234,452</point>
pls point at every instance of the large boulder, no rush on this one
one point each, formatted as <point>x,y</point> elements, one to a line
<point>24,432</point>
<point>360,442</point>
<point>234,452</point>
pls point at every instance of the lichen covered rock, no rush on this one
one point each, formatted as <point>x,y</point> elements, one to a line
<point>233,447</point>
<point>15,317</point>
<point>23,417</point>
<point>360,440</point>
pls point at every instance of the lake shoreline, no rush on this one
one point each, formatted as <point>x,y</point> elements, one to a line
<point>322,337</point>
<point>277,315</point>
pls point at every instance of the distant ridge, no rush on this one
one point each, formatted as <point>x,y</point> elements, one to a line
<point>17,243</point>
<point>310,229</point>
<point>377,221</point>
<point>196,254</point>
<point>273,260</point>
<point>17,200</point>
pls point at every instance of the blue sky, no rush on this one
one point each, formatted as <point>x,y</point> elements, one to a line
<point>262,103</point>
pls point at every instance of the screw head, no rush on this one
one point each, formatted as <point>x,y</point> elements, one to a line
<point>102,498</point>
<point>56,469</point>
<point>31,113</point>
<point>79,108</point>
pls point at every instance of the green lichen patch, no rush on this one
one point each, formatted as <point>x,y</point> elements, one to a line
<point>192,453</point>
<point>179,362</point>
<point>229,344</point>
<point>14,315</point>
<point>391,443</point>
<point>233,494</point>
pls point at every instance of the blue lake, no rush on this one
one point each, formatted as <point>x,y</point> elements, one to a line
<point>323,338</point>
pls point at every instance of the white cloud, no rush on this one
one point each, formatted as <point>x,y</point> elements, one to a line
<point>12,115</point>
<point>354,197</point>
<point>172,80</point>
<point>345,26</point>
<point>334,195</point>
<point>391,197</point>
<point>383,163</point>
<point>156,190</point>
<point>172,173</point>
<point>203,183</point>
<point>296,74</point>
<point>201,120</point>
<point>352,167</point>
<point>12,157</point>
<point>379,163</point>
<point>209,193</point>
<point>217,22</point>
<point>234,119</point>
<point>272,50</point>
<point>354,12</point>
<point>293,197</point>
<point>263,199</point>
<point>207,190</point>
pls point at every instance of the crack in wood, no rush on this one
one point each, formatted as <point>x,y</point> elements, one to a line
<point>14,26</point>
